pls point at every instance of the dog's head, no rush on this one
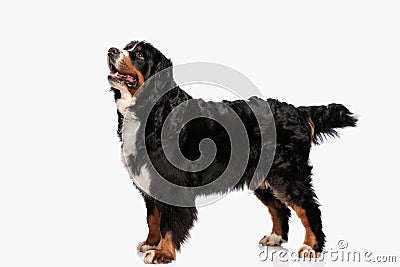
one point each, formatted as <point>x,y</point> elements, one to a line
<point>132,66</point>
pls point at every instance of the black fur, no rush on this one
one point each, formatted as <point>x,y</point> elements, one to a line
<point>327,118</point>
<point>289,178</point>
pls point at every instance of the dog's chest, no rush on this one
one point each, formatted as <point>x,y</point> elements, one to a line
<point>130,136</point>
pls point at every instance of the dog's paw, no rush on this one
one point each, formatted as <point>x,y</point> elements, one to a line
<point>157,257</point>
<point>306,251</point>
<point>272,240</point>
<point>144,247</point>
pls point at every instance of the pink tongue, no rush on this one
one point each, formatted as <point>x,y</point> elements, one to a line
<point>124,77</point>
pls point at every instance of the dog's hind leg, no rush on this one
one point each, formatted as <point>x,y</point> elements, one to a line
<point>303,200</point>
<point>153,223</point>
<point>175,223</point>
<point>310,216</point>
<point>280,215</point>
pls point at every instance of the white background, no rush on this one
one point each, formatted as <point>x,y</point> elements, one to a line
<point>66,200</point>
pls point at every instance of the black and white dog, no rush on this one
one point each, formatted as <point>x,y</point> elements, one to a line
<point>285,170</point>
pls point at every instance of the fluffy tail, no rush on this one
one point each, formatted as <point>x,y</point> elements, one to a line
<point>324,119</point>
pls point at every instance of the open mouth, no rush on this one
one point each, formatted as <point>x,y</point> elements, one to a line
<point>129,80</point>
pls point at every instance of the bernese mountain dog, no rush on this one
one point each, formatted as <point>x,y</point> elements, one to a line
<point>285,170</point>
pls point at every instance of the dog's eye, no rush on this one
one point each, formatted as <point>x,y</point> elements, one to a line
<point>139,55</point>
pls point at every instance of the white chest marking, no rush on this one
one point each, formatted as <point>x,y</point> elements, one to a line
<point>129,136</point>
<point>130,130</point>
<point>126,100</point>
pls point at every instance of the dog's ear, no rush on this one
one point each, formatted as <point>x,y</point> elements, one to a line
<point>160,80</point>
<point>162,63</point>
<point>163,73</point>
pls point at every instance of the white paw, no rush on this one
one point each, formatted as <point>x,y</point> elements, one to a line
<point>143,247</point>
<point>272,240</point>
<point>156,257</point>
<point>149,257</point>
<point>306,251</point>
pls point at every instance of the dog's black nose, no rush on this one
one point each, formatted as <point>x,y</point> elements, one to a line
<point>113,51</point>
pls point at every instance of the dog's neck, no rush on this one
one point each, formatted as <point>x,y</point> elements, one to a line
<point>124,101</point>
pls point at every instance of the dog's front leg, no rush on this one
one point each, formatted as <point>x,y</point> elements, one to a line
<point>153,223</point>
<point>175,223</point>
